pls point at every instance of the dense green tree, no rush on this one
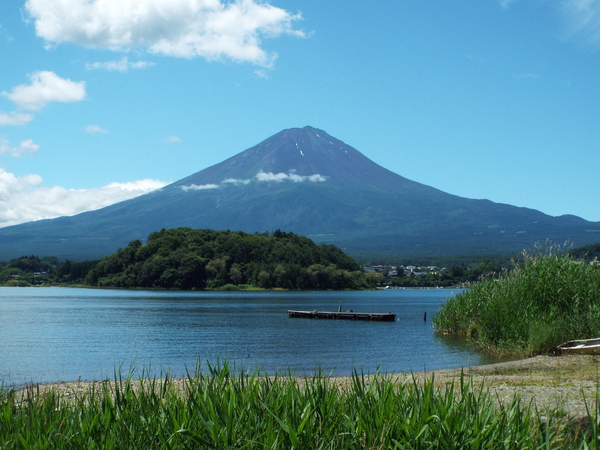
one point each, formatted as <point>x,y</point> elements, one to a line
<point>30,264</point>
<point>236,274</point>
<point>71,271</point>
<point>183,258</point>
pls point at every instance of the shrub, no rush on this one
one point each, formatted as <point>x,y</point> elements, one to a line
<point>547,299</point>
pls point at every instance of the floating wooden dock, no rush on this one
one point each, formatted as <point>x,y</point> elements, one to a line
<point>348,315</point>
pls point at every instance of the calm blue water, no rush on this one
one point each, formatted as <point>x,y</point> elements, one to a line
<point>57,334</point>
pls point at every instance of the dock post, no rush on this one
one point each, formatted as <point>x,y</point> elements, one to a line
<point>340,308</point>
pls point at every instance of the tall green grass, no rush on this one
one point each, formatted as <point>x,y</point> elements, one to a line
<point>222,410</point>
<point>547,299</point>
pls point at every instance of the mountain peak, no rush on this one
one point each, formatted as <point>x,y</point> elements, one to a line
<point>308,153</point>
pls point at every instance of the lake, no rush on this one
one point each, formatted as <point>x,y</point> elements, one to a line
<point>58,334</point>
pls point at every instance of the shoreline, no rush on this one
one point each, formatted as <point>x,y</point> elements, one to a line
<point>569,384</point>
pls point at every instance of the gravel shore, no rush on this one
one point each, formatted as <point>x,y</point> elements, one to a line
<point>560,383</point>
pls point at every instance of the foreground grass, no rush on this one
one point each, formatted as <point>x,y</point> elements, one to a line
<point>222,410</point>
<point>548,299</point>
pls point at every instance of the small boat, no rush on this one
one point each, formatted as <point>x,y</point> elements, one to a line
<point>581,347</point>
<point>348,315</point>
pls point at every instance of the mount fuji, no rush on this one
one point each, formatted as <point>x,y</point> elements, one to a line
<point>305,181</point>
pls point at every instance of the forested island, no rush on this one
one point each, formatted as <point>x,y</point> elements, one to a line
<point>184,258</point>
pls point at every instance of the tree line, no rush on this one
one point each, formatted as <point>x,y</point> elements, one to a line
<point>198,259</point>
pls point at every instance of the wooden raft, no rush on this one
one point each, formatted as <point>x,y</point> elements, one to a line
<point>348,315</point>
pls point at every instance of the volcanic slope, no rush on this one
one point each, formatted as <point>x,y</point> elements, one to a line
<point>305,181</point>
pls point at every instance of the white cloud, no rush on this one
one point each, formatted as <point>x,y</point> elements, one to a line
<point>23,199</point>
<point>45,87</point>
<point>261,73</point>
<point>123,65</point>
<point>15,118</point>
<point>270,176</point>
<point>530,76</point>
<point>291,176</point>
<point>506,3</point>
<point>583,19</point>
<point>4,34</point>
<point>202,187</point>
<point>236,181</point>
<point>172,140</point>
<point>260,177</point>
<point>137,187</point>
<point>26,147</point>
<point>11,184</point>
<point>211,29</point>
<point>95,129</point>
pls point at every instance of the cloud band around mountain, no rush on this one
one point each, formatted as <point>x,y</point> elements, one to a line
<point>261,177</point>
<point>291,176</point>
<point>202,187</point>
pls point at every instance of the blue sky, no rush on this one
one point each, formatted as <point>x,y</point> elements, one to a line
<point>104,100</point>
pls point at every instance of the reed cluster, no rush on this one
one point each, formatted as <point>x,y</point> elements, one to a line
<point>222,410</point>
<point>547,299</point>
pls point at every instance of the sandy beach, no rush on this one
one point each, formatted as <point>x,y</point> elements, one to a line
<point>562,383</point>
